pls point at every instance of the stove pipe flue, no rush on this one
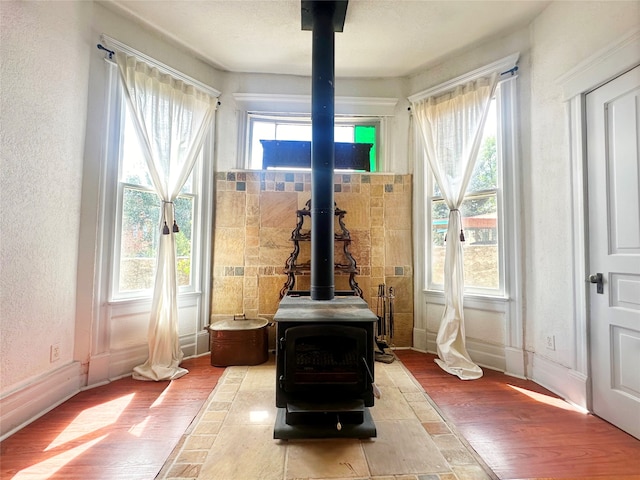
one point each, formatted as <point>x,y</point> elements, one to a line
<point>324,18</point>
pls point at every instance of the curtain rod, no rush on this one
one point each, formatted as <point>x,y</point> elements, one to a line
<point>497,66</point>
<point>116,45</point>
<point>111,53</point>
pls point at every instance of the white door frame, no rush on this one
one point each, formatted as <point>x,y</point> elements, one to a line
<point>603,66</point>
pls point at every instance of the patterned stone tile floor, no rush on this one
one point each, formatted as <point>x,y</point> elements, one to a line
<point>232,437</point>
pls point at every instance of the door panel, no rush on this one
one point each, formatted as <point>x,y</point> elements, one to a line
<point>613,123</point>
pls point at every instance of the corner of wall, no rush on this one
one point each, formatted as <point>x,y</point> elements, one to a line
<point>420,339</point>
<point>29,402</point>
<point>569,384</point>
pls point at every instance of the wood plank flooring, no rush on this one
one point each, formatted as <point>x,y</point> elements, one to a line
<point>522,430</point>
<point>127,429</point>
<point>123,430</point>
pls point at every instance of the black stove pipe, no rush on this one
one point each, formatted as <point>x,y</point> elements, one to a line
<point>322,151</point>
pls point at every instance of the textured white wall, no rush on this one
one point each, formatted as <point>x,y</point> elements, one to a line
<point>45,57</point>
<point>563,36</point>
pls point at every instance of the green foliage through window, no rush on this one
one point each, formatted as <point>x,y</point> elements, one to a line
<point>479,219</point>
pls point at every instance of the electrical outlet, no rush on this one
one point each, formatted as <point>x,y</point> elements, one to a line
<point>55,352</point>
<point>551,342</point>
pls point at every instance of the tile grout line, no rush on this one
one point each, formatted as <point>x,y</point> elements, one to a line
<point>398,383</point>
<point>181,446</point>
<point>451,426</point>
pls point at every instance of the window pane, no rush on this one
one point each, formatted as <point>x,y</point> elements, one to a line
<point>139,239</point>
<point>287,131</point>
<point>480,223</point>
<point>481,261</point>
<point>260,131</point>
<point>367,134</point>
<point>140,235</point>
<point>300,129</point>
<point>184,238</point>
<point>485,171</point>
<point>439,223</point>
<point>134,166</point>
<point>343,133</point>
<point>188,185</point>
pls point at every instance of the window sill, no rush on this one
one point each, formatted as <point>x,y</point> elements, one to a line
<point>146,301</point>
<point>472,300</point>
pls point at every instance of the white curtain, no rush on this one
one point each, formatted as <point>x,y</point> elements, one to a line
<point>451,127</point>
<point>172,119</point>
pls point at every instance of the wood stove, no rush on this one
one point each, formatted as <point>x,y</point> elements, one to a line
<point>324,368</point>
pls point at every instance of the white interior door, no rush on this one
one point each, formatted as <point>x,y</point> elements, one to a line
<point>613,162</point>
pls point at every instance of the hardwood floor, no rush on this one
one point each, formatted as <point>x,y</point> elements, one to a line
<point>123,430</point>
<point>522,430</point>
<point>127,429</point>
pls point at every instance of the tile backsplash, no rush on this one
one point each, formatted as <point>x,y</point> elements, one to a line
<point>255,213</point>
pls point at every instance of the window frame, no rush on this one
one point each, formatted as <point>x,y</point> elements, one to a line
<point>509,176</point>
<point>498,191</point>
<point>290,106</point>
<point>116,260</point>
<point>112,204</point>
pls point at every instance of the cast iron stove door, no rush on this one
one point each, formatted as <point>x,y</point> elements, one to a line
<point>325,361</point>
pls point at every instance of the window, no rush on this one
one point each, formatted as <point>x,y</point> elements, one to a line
<point>490,209</point>
<point>134,220</point>
<point>347,129</point>
<point>137,227</point>
<point>481,212</point>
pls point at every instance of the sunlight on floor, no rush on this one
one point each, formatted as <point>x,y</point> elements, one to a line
<point>158,401</point>
<point>548,400</point>
<point>48,467</point>
<point>91,420</point>
<point>138,428</point>
<point>258,416</point>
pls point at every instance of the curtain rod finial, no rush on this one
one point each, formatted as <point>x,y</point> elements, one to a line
<point>512,71</point>
<point>110,52</point>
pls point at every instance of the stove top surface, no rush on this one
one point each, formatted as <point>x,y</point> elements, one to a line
<point>304,309</point>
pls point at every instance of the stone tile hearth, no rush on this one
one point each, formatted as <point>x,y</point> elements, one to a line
<point>232,437</point>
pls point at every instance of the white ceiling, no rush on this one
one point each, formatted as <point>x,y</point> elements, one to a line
<point>381,38</point>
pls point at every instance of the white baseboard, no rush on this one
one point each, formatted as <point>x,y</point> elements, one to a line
<point>120,363</point>
<point>24,405</point>
<point>98,373</point>
<point>569,384</point>
<point>28,403</point>
<point>484,354</point>
<point>515,360</point>
<point>420,339</point>
<point>431,342</point>
<point>202,342</point>
<point>563,381</point>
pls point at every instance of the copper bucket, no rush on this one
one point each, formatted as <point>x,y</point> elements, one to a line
<point>239,340</point>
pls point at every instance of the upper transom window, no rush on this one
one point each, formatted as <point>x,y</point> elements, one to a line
<point>348,130</point>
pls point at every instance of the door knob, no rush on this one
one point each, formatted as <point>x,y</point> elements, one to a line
<point>597,279</point>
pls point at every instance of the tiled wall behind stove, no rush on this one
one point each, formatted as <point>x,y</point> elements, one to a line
<point>255,213</point>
